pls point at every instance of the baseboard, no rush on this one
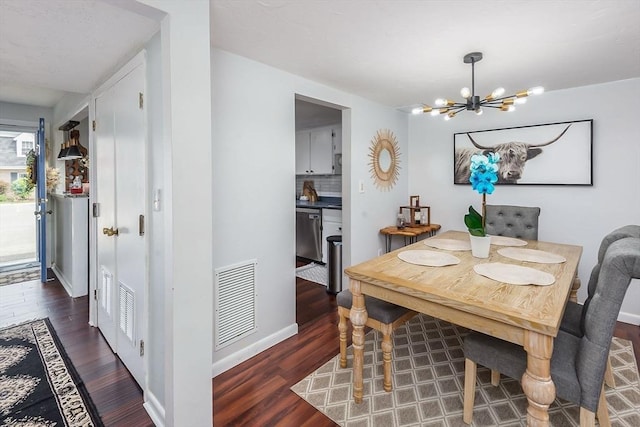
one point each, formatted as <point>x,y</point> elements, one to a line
<point>61,278</point>
<point>631,318</point>
<point>246,353</point>
<point>154,409</point>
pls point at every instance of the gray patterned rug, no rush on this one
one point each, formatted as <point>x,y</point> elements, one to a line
<point>428,381</point>
<point>19,276</point>
<point>314,273</point>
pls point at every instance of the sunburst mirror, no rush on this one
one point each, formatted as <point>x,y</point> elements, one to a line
<point>385,159</point>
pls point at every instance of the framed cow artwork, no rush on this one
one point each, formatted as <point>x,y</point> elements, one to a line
<point>546,154</point>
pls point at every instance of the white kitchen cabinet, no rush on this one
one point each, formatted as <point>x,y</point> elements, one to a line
<point>314,152</point>
<point>337,140</point>
<point>71,249</point>
<point>331,226</point>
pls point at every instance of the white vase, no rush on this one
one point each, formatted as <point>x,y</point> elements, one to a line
<point>480,246</point>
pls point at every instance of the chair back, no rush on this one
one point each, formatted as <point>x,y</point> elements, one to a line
<point>620,264</point>
<point>512,221</point>
<point>614,236</point>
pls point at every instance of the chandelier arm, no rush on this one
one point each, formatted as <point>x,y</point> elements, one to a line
<point>502,98</point>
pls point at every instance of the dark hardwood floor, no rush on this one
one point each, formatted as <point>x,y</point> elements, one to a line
<point>254,393</point>
<point>114,392</point>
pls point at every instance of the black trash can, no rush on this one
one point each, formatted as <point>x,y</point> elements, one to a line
<point>334,264</point>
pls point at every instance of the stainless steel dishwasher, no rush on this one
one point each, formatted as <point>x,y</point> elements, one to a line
<point>309,233</point>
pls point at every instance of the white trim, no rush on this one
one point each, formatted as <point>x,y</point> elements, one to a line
<point>154,409</point>
<point>631,318</point>
<point>19,125</point>
<point>248,352</point>
<point>135,62</point>
<point>62,279</point>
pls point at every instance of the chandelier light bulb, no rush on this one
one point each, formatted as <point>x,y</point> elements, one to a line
<point>479,111</point>
<point>465,92</point>
<point>417,110</point>
<point>441,102</point>
<point>435,112</point>
<point>511,108</point>
<point>520,100</point>
<point>497,93</point>
<point>535,90</point>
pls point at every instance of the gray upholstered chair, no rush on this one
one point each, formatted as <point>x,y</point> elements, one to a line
<point>577,363</point>
<point>512,221</point>
<point>573,314</point>
<point>383,316</point>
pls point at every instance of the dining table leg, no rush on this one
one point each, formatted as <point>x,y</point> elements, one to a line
<point>536,381</point>
<point>358,316</point>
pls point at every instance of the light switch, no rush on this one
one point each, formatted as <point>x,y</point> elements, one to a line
<point>361,186</point>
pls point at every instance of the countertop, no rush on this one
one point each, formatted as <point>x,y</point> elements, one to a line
<point>322,203</point>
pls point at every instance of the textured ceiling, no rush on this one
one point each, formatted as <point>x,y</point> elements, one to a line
<point>399,53</point>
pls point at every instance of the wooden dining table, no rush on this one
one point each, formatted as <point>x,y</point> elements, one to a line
<point>526,315</point>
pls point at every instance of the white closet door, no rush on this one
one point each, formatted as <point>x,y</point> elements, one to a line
<point>130,215</point>
<point>121,252</point>
<point>104,191</point>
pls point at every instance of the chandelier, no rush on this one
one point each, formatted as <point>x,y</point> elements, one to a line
<point>473,102</point>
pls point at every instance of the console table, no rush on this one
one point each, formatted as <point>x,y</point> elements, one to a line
<point>408,232</point>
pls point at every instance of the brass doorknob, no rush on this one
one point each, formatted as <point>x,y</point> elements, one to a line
<point>110,231</point>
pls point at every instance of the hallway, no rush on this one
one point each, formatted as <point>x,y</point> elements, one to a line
<point>114,392</point>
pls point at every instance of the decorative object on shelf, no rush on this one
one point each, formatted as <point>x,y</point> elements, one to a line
<point>473,102</point>
<point>53,178</point>
<point>65,149</point>
<point>418,215</point>
<point>385,159</point>
<point>568,161</point>
<point>484,174</point>
<point>77,166</point>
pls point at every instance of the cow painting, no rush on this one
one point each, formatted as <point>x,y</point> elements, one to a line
<point>513,156</point>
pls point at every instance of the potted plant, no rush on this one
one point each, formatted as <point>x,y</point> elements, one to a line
<point>484,174</point>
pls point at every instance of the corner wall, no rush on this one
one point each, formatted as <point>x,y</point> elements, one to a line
<point>254,183</point>
<point>576,215</point>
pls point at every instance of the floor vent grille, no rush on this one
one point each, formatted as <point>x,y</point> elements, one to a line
<point>235,302</point>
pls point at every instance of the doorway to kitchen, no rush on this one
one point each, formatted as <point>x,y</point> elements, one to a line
<point>318,191</point>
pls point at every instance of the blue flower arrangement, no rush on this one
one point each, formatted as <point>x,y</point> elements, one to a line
<point>484,174</point>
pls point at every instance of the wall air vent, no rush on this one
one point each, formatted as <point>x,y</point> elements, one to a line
<point>234,303</point>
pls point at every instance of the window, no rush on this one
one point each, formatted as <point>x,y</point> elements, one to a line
<point>24,143</point>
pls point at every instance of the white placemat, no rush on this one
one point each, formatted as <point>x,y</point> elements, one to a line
<point>532,255</point>
<point>428,258</point>
<point>449,244</point>
<point>514,274</point>
<point>507,241</point>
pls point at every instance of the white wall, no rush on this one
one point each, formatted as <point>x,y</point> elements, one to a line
<point>254,180</point>
<point>569,214</point>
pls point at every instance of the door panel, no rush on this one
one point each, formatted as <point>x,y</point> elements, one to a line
<point>130,205</point>
<point>104,189</point>
<point>41,201</point>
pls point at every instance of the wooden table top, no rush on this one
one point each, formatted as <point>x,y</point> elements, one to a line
<point>458,290</point>
<point>410,231</point>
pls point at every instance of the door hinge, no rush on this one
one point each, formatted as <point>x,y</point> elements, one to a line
<point>93,125</point>
<point>141,348</point>
<point>141,100</point>
<point>96,210</point>
<point>95,294</point>
<point>141,225</point>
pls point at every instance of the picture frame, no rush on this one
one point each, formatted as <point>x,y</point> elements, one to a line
<point>545,154</point>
